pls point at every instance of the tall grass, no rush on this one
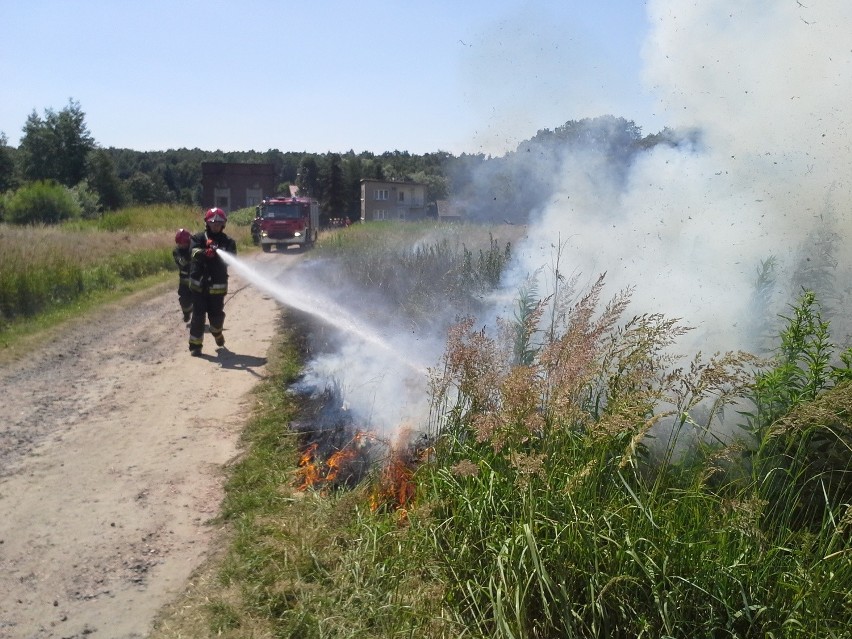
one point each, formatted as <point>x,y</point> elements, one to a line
<point>140,219</point>
<point>447,266</point>
<point>45,267</point>
<point>540,511</point>
<point>549,521</point>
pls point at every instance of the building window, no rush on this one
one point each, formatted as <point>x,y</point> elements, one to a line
<point>222,198</point>
<point>402,196</point>
<point>380,214</point>
<point>253,196</point>
<point>401,214</point>
<point>380,194</point>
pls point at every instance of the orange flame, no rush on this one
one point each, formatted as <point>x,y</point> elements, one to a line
<point>395,488</point>
<point>338,462</point>
<point>308,473</point>
<point>314,471</point>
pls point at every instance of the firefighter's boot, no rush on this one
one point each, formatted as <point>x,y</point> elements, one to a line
<point>217,335</point>
<point>195,344</point>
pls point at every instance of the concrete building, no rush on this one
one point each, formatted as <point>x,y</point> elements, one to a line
<point>391,200</point>
<point>233,185</point>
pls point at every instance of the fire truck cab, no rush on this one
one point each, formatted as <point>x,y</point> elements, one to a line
<point>284,221</point>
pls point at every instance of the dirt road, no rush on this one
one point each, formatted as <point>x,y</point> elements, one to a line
<point>112,446</point>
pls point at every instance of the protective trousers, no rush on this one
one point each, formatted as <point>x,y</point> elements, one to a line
<point>184,297</point>
<point>213,308</point>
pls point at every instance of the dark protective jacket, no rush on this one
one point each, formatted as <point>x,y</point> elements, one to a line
<point>183,258</point>
<point>209,274</point>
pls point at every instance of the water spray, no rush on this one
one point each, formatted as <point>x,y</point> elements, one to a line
<point>317,305</point>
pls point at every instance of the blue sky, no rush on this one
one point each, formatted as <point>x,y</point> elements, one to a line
<point>453,75</point>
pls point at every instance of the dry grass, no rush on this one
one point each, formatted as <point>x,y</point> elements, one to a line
<point>45,268</point>
<point>30,248</point>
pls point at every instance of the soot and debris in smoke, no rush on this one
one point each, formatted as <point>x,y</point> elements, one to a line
<point>690,225</point>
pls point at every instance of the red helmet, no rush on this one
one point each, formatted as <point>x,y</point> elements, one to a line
<point>182,237</point>
<point>215,215</point>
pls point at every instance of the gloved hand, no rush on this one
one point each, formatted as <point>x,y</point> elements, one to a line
<point>210,251</point>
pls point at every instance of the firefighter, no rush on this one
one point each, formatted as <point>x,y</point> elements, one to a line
<point>182,258</point>
<point>208,279</point>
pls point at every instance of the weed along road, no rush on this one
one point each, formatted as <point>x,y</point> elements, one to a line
<point>113,444</point>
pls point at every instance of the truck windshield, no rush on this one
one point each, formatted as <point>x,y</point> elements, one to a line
<point>281,211</point>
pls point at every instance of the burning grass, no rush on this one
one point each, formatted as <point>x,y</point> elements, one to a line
<point>336,454</point>
<point>541,495</point>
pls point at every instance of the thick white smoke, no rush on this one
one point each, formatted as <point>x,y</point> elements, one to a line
<point>766,84</point>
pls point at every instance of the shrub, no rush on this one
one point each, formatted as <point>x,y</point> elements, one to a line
<point>41,202</point>
<point>90,207</point>
<point>801,422</point>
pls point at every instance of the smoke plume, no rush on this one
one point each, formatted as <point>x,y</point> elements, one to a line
<point>766,86</point>
<point>759,94</point>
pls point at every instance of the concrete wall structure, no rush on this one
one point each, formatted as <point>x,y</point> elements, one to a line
<point>233,185</point>
<point>391,200</point>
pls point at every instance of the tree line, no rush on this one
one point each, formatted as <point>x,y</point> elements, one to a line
<point>58,166</point>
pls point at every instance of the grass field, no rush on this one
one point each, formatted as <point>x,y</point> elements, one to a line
<point>49,271</point>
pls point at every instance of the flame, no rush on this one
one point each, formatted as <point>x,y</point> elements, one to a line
<point>313,471</point>
<point>338,461</point>
<point>395,488</point>
<point>308,473</point>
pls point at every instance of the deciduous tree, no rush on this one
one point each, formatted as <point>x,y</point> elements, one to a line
<point>103,179</point>
<point>57,146</point>
<point>334,200</point>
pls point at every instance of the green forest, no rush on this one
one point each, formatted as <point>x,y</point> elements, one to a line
<point>60,161</point>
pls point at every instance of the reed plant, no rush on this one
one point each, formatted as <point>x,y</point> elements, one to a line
<point>548,518</point>
<point>447,266</point>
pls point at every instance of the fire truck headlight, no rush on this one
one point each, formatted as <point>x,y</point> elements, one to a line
<point>297,234</point>
<point>264,234</point>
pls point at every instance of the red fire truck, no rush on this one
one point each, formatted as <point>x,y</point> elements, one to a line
<point>283,221</point>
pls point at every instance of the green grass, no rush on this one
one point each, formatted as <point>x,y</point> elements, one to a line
<point>540,512</point>
<point>420,267</point>
<point>49,271</point>
<point>142,219</point>
<point>553,521</point>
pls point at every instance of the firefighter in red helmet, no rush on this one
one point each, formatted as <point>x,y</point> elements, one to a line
<point>183,258</point>
<point>208,279</point>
